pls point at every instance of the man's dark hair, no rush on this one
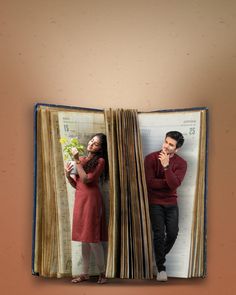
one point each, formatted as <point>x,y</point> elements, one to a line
<point>176,135</point>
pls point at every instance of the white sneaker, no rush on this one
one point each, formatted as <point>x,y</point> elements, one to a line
<point>162,276</point>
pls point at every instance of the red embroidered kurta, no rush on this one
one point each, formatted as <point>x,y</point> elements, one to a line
<point>89,224</point>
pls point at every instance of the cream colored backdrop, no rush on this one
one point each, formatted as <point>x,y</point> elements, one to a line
<point>145,54</point>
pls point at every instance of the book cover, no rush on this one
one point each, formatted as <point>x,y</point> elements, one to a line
<point>53,252</point>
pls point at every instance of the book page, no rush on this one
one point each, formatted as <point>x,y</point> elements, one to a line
<point>82,124</point>
<point>130,244</point>
<point>197,266</point>
<point>49,224</point>
<point>63,224</point>
<point>153,128</point>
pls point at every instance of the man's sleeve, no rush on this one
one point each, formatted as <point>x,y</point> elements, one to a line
<point>150,172</point>
<point>174,179</point>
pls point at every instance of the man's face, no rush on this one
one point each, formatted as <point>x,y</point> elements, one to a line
<point>169,146</point>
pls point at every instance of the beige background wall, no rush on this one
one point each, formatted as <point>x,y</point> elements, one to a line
<point>145,54</point>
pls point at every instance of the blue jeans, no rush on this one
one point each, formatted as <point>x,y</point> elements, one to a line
<point>164,220</point>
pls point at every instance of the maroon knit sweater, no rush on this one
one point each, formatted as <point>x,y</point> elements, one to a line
<point>162,184</point>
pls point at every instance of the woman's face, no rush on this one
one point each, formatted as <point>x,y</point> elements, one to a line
<point>94,145</point>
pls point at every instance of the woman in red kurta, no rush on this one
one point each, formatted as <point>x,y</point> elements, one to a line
<point>89,225</point>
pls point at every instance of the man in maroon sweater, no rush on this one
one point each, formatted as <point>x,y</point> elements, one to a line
<point>165,171</point>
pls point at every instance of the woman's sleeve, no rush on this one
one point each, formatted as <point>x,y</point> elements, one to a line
<point>95,174</point>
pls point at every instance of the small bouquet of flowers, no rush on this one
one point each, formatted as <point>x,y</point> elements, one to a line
<point>68,144</point>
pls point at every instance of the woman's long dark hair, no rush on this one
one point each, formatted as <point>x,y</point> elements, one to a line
<point>102,153</point>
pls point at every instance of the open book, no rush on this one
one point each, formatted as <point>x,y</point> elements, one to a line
<point>131,136</point>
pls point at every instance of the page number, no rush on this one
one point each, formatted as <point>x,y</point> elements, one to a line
<point>66,127</point>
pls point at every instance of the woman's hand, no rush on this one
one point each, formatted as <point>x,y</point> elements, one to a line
<point>68,167</point>
<point>75,153</point>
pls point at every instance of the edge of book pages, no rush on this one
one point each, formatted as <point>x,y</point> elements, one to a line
<point>204,272</point>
